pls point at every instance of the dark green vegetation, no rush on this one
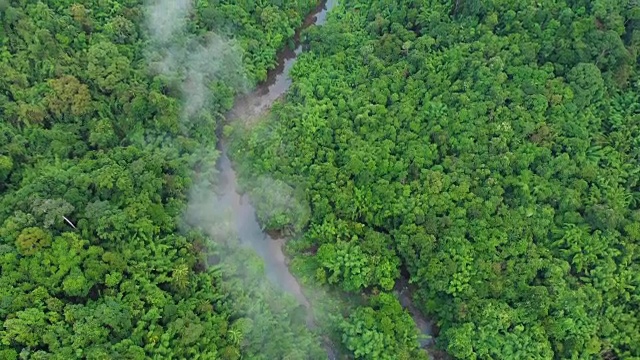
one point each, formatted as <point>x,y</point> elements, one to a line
<point>89,132</point>
<point>489,148</point>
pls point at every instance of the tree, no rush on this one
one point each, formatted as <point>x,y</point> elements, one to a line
<point>68,98</point>
<point>31,240</point>
<point>6,165</point>
<point>383,331</point>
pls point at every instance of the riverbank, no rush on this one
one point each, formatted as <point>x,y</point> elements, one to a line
<point>248,109</point>
<point>269,245</point>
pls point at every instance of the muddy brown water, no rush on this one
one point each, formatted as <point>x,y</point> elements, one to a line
<point>247,108</point>
<point>426,326</point>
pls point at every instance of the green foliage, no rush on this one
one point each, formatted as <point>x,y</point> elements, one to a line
<point>278,206</point>
<point>347,264</point>
<point>31,240</point>
<point>95,169</point>
<point>6,165</point>
<point>493,146</point>
<point>382,331</point>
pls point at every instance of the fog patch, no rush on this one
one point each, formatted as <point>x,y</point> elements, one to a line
<point>195,63</point>
<point>197,67</point>
<point>166,18</point>
<point>279,206</point>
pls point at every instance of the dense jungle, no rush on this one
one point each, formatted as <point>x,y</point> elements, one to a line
<point>484,155</point>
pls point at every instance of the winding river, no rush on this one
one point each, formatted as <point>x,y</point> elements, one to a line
<point>250,232</point>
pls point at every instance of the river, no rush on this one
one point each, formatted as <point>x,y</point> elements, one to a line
<point>247,108</point>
